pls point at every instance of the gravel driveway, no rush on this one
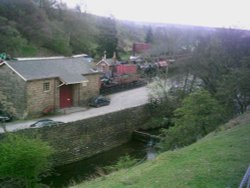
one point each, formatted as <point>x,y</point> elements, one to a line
<point>119,101</point>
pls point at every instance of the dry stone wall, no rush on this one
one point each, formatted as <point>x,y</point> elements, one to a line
<point>38,99</point>
<point>14,88</point>
<point>84,138</point>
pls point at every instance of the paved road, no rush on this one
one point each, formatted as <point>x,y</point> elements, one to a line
<point>119,101</point>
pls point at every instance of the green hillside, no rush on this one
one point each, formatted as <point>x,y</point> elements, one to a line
<point>218,160</point>
<point>48,27</point>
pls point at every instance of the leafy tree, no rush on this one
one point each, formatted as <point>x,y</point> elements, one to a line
<point>81,31</point>
<point>23,160</point>
<point>172,41</point>
<point>164,98</point>
<point>59,41</point>
<point>201,109</point>
<point>199,114</point>
<point>127,34</point>
<point>208,63</point>
<point>108,40</point>
<point>220,61</point>
<point>11,40</point>
<point>234,89</point>
<point>24,13</point>
<point>149,36</point>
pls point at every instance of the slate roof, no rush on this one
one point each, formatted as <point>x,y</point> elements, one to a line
<point>68,70</point>
<point>109,61</point>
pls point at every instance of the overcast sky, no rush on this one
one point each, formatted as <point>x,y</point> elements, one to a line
<point>218,13</point>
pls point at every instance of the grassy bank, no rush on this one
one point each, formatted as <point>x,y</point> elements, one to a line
<point>218,160</point>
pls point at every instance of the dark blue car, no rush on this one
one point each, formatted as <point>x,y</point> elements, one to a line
<point>45,122</point>
<point>99,101</point>
<point>5,117</point>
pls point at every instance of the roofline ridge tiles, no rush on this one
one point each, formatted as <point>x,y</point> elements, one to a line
<point>39,58</point>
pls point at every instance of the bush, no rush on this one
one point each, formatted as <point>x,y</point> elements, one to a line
<point>123,162</point>
<point>158,122</point>
<point>23,160</point>
<point>198,115</point>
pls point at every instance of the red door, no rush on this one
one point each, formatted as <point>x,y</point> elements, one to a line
<point>65,96</point>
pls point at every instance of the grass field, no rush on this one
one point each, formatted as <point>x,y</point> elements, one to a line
<point>217,161</point>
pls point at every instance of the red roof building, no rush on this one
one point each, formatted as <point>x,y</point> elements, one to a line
<point>140,47</point>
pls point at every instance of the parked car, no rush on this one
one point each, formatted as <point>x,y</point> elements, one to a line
<point>45,122</point>
<point>5,117</point>
<point>99,101</point>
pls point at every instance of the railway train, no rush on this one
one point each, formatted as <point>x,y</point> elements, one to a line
<point>119,77</point>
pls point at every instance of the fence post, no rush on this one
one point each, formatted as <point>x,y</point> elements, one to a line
<point>246,179</point>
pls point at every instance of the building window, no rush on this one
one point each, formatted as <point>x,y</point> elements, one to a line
<point>46,86</point>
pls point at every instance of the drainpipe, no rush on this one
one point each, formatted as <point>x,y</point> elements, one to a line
<point>79,94</point>
<point>54,95</point>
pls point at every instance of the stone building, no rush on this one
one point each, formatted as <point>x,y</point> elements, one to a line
<point>36,85</point>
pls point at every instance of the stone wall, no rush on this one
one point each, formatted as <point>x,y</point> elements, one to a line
<point>14,88</point>
<point>81,139</point>
<point>76,94</point>
<point>38,99</point>
<point>29,99</point>
<point>91,89</point>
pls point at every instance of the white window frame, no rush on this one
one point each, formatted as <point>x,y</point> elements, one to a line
<point>46,86</point>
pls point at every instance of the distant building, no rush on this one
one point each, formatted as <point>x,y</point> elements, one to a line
<point>35,84</point>
<point>140,48</point>
<point>162,64</point>
<point>106,66</point>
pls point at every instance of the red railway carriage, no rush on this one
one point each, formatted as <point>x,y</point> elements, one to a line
<point>125,69</point>
<point>122,76</point>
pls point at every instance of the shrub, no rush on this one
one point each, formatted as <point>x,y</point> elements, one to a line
<point>123,162</point>
<point>198,115</point>
<point>23,160</point>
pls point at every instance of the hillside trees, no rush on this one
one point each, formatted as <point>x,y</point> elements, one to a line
<point>199,114</point>
<point>231,69</point>
<point>31,21</point>
<point>107,38</point>
<point>149,36</point>
<point>58,41</point>
<point>127,34</point>
<point>234,89</point>
<point>220,61</point>
<point>11,39</point>
<point>36,26</point>
<point>172,41</point>
<point>81,31</point>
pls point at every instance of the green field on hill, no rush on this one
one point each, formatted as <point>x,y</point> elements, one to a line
<point>218,160</point>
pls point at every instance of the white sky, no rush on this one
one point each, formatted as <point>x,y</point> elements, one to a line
<point>218,13</point>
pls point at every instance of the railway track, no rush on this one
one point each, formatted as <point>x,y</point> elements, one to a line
<point>109,89</point>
